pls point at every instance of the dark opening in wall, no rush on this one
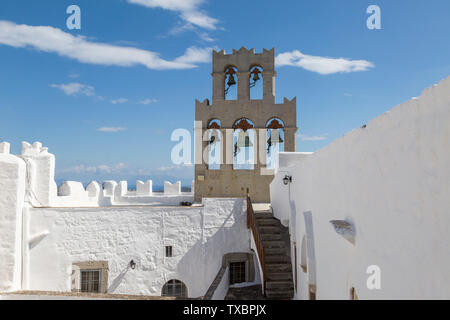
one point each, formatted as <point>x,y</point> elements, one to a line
<point>174,288</point>
<point>90,281</point>
<point>237,272</point>
<point>168,251</point>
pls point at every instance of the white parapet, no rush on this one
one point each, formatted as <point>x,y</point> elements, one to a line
<point>5,147</point>
<point>12,194</point>
<point>144,189</point>
<point>170,188</point>
<point>93,189</point>
<point>121,189</point>
<point>71,188</point>
<point>73,194</point>
<point>109,187</point>
<point>43,186</point>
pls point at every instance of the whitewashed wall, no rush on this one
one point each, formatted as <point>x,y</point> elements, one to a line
<point>279,192</point>
<point>200,236</point>
<point>392,181</point>
<point>12,189</point>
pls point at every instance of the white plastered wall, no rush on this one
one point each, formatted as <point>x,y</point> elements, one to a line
<point>12,188</point>
<point>200,236</point>
<point>391,181</point>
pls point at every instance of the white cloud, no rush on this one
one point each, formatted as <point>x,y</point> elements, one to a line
<point>111,129</point>
<point>188,10</point>
<point>322,65</point>
<point>119,101</point>
<point>54,40</point>
<point>206,37</point>
<point>195,55</point>
<point>305,137</point>
<point>148,101</point>
<point>72,89</point>
<point>103,168</point>
<point>175,168</point>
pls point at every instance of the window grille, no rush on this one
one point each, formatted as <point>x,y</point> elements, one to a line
<point>90,281</point>
<point>174,288</point>
<point>237,272</point>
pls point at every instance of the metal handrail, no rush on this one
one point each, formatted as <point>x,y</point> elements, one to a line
<point>251,224</point>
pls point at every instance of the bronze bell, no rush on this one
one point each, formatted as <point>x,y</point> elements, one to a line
<point>277,139</point>
<point>214,138</point>
<point>236,149</point>
<point>231,80</point>
<point>270,142</point>
<point>256,77</point>
<point>244,140</point>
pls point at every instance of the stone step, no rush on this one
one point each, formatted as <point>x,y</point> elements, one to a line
<point>273,244</point>
<point>280,294</point>
<point>271,236</point>
<point>282,285</point>
<point>277,259</point>
<point>275,251</point>
<point>269,229</point>
<point>267,222</point>
<point>263,215</point>
<point>279,276</point>
<point>278,267</point>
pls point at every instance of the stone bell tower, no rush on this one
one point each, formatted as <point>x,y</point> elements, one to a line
<point>244,69</point>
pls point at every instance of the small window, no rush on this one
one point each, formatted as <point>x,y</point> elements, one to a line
<point>169,251</point>
<point>237,272</point>
<point>90,281</point>
<point>90,276</point>
<point>174,288</point>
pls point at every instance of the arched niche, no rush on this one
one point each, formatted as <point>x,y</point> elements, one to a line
<point>256,83</point>
<point>174,288</point>
<point>231,82</point>
<point>275,140</point>
<point>214,138</point>
<point>244,140</point>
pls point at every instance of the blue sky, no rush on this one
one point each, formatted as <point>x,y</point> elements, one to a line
<point>107,112</point>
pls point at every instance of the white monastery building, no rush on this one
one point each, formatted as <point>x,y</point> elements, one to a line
<point>366,217</point>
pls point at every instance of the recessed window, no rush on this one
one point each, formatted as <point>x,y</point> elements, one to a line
<point>237,272</point>
<point>169,251</point>
<point>90,276</point>
<point>174,288</point>
<point>90,281</point>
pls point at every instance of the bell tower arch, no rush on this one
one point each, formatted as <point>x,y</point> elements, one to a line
<point>244,69</point>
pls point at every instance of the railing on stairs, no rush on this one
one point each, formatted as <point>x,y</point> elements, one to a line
<point>251,224</point>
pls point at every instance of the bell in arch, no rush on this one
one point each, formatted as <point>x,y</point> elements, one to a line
<point>256,77</point>
<point>276,139</point>
<point>244,140</point>
<point>214,138</point>
<point>231,80</point>
<point>271,142</point>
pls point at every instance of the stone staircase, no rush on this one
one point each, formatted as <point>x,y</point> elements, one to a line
<point>275,240</point>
